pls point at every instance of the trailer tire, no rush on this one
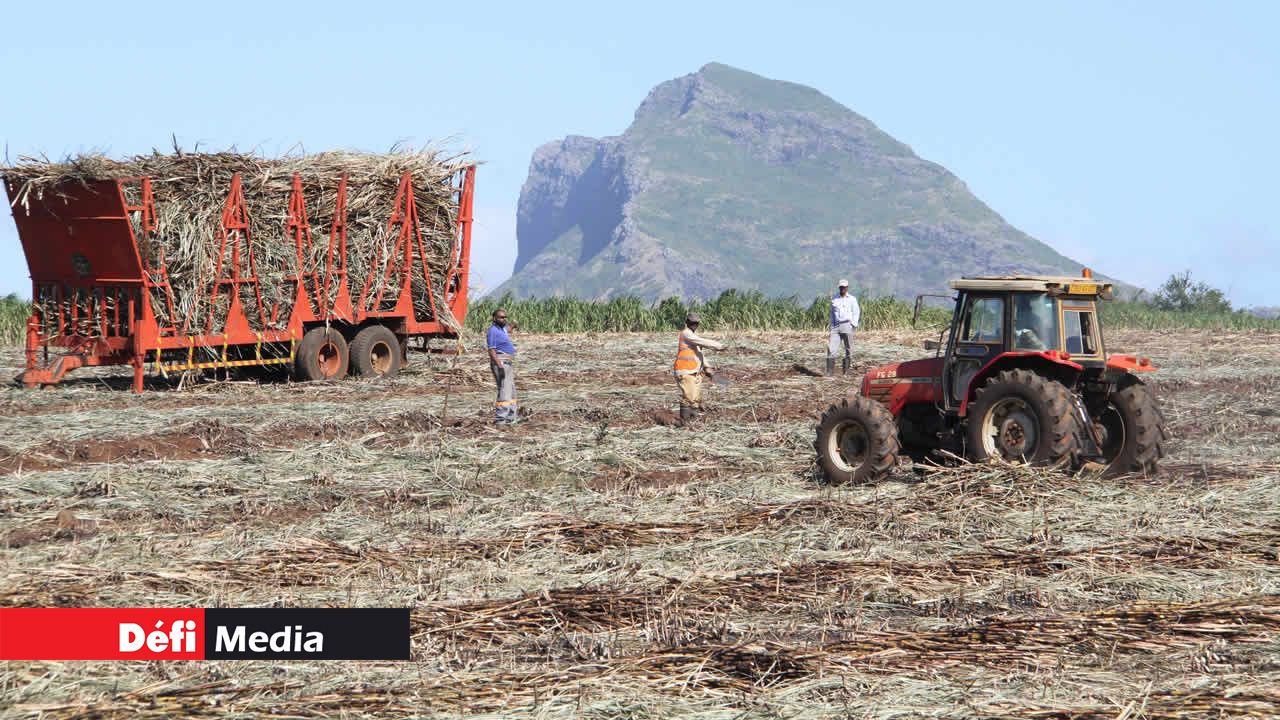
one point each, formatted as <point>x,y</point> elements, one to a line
<point>322,355</point>
<point>857,442</point>
<point>376,352</point>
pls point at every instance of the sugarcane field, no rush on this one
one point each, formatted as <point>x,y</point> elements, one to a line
<point>600,559</point>
<point>534,361</point>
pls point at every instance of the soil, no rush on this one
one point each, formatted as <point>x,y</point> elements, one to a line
<point>602,559</point>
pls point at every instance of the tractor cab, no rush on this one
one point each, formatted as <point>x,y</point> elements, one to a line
<point>1019,375</point>
<point>1028,321</point>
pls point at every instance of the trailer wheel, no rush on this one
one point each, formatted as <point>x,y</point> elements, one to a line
<point>376,352</point>
<point>857,442</point>
<point>322,355</point>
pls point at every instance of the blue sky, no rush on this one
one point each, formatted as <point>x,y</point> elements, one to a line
<point>1140,138</point>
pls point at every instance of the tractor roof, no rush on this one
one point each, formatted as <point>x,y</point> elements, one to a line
<point>1035,283</point>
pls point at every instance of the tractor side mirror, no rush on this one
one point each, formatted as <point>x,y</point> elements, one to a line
<point>932,345</point>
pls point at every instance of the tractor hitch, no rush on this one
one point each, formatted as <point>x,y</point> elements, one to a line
<point>1087,432</point>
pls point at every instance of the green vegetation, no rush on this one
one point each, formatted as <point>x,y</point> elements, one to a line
<point>734,310</point>
<point>1182,294</point>
<point>1142,315</point>
<point>1184,303</point>
<point>752,310</point>
<point>14,312</point>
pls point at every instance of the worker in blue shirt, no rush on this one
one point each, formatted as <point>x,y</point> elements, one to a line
<point>502,358</point>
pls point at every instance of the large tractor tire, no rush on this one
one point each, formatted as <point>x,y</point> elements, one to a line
<point>857,442</point>
<point>322,355</point>
<point>375,352</point>
<point>1132,429</point>
<point>1020,417</point>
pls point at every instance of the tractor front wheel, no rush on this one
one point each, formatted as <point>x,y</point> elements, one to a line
<point>1132,430</point>
<point>857,442</point>
<point>322,355</point>
<point>1021,417</point>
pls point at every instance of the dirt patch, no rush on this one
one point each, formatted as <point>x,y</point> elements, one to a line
<point>804,408</point>
<point>664,417</point>
<point>761,374</point>
<point>782,372</point>
<point>288,513</point>
<point>177,445</point>
<point>62,527</point>
<point>212,438</point>
<point>735,375</point>
<point>628,482</point>
<point>626,379</point>
<point>212,394</point>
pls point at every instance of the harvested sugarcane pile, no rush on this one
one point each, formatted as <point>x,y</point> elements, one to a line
<point>1001,642</point>
<point>168,699</point>
<point>1141,627</point>
<point>306,562</point>
<point>814,583</point>
<point>1219,700</point>
<point>191,189</point>
<point>732,668</point>
<point>578,535</point>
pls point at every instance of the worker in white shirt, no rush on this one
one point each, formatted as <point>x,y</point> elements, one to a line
<point>690,366</point>
<point>845,316</point>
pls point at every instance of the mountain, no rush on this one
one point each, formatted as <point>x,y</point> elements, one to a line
<point>726,179</point>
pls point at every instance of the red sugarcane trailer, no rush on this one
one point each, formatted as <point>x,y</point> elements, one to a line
<point>93,294</point>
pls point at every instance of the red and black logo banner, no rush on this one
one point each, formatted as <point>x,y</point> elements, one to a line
<point>204,633</point>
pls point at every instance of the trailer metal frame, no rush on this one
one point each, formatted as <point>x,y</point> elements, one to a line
<point>82,240</point>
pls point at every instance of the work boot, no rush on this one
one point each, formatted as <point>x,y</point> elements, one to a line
<point>687,412</point>
<point>844,366</point>
<point>831,367</point>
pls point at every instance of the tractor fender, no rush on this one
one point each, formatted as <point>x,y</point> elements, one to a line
<point>1130,363</point>
<point>1049,363</point>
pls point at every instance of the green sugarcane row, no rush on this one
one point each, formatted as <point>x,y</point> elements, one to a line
<point>751,310</point>
<point>734,310</point>
<point>14,312</point>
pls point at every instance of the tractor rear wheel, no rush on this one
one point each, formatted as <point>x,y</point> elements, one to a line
<point>1132,429</point>
<point>375,352</point>
<point>1021,417</point>
<point>322,355</point>
<point>857,442</point>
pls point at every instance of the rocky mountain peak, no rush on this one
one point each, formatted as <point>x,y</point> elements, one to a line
<point>726,179</point>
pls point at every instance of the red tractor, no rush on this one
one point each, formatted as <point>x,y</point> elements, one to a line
<point>1021,377</point>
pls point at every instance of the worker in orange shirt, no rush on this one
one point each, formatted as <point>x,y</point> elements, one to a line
<point>691,365</point>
